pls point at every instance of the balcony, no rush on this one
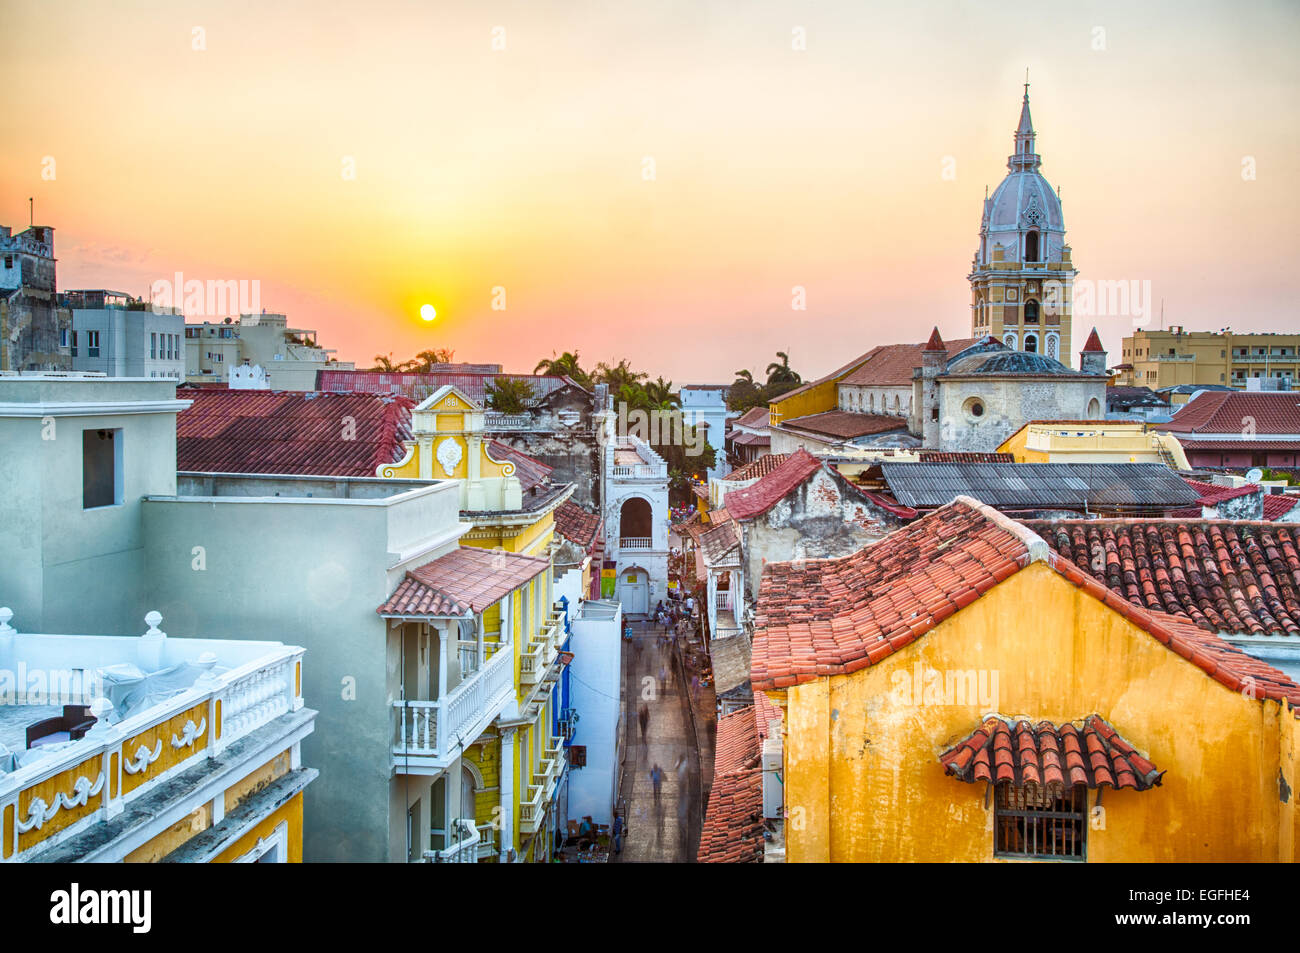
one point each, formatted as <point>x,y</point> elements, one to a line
<point>641,471</point>
<point>535,663</point>
<point>77,788</point>
<point>495,421</point>
<point>463,847</point>
<point>636,542</point>
<point>429,733</point>
<point>533,811</point>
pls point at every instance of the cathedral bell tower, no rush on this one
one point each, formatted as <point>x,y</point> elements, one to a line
<point>1022,277</point>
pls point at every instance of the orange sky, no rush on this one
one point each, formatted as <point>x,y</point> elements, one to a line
<point>522,168</point>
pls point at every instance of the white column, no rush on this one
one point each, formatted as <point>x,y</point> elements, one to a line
<point>478,624</point>
<point>508,765</point>
<point>442,660</point>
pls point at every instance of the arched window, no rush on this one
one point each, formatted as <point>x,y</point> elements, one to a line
<point>1031,343</point>
<point>635,520</point>
<point>1031,247</point>
<point>1094,409</point>
<point>1031,311</point>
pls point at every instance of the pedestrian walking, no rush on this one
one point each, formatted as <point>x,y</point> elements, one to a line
<point>643,716</point>
<point>618,833</point>
<point>657,779</point>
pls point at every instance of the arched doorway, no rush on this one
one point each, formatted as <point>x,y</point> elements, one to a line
<point>634,591</point>
<point>635,524</point>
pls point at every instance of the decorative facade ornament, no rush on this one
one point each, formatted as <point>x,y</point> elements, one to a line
<point>39,813</point>
<point>190,733</point>
<point>143,758</point>
<point>1032,216</point>
<point>449,455</point>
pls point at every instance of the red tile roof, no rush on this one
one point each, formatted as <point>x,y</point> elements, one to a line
<point>1239,445</point>
<point>719,541</point>
<point>935,343</point>
<point>846,424</point>
<point>765,713</point>
<point>290,432</point>
<point>754,418</point>
<point>1050,756</point>
<point>758,468</point>
<point>576,524</point>
<point>754,500</point>
<point>528,471</point>
<point>891,365</point>
<point>752,439</point>
<point>1278,505</point>
<point>836,616</point>
<point>1093,343</point>
<point>732,832</point>
<point>1212,493</point>
<point>964,456</point>
<point>1224,576</point>
<point>1224,412</point>
<point>464,580</point>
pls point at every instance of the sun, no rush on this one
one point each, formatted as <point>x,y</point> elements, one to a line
<point>427,312</point>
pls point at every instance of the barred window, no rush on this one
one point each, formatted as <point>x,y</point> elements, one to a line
<point>1040,822</point>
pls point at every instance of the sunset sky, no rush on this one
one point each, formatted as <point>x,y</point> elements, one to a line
<point>522,168</point>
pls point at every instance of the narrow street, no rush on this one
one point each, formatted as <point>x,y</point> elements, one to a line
<point>669,830</point>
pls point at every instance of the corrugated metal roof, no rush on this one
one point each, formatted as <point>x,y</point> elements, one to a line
<point>419,386</point>
<point>1037,485</point>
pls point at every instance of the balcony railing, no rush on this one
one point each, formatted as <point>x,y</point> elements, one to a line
<point>534,662</point>
<point>463,846</point>
<point>95,778</point>
<point>427,731</point>
<point>722,599</point>
<point>532,811</point>
<point>641,471</point>
<point>636,542</point>
<point>493,421</point>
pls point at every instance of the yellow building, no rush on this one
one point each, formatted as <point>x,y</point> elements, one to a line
<point>150,749</point>
<point>1177,357</point>
<point>1093,441</point>
<point>927,719</point>
<point>510,764</point>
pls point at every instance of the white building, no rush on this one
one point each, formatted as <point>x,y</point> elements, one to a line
<point>116,335</point>
<point>706,404</point>
<point>289,356</point>
<point>636,523</point>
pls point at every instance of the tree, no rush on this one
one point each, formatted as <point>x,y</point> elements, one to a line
<point>660,394</point>
<point>423,362</point>
<point>384,362</point>
<point>618,375</point>
<point>782,373</point>
<point>509,395</point>
<point>566,365</point>
<point>744,393</point>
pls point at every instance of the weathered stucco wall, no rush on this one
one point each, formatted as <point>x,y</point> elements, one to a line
<point>864,782</point>
<point>1008,405</point>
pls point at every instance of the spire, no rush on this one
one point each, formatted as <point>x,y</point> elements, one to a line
<point>1094,342</point>
<point>935,343</point>
<point>1024,156</point>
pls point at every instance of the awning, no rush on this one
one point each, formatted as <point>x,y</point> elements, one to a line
<point>1047,755</point>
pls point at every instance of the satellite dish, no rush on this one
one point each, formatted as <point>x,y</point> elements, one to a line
<point>1254,475</point>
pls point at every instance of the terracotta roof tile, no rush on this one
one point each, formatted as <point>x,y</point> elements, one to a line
<point>1093,343</point>
<point>758,468</point>
<point>720,541</point>
<point>530,473</point>
<point>1237,445</point>
<point>755,418</point>
<point>1050,756</point>
<point>1224,576</point>
<point>576,524</point>
<point>290,432</point>
<point>1278,505</point>
<point>824,617</point>
<point>1228,413</point>
<point>891,365</point>
<point>1212,493</point>
<point>464,580</point>
<point>846,424</point>
<point>754,500</point>
<point>732,831</point>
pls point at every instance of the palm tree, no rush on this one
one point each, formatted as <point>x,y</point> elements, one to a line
<point>566,365</point>
<point>660,394</point>
<point>746,376</point>
<point>423,362</point>
<point>384,362</point>
<point>618,375</point>
<point>781,373</point>
<point>634,396</point>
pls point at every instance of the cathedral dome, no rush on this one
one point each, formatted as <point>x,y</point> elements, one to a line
<point>1005,362</point>
<point>1024,200</point>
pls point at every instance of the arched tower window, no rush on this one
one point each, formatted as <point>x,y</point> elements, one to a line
<point>1031,343</point>
<point>1031,247</point>
<point>1031,311</point>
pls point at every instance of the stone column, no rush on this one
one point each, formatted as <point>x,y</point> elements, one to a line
<point>507,830</point>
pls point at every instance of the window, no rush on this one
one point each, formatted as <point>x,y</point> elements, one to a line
<point>92,344</point>
<point>9,261</point>
<point>974,408</point>
<point>101,468</point>
<point>63,337</point>
<point>1031,247</point>
<point>1031,344</point>
<point>153,344</point>
<point>1036,822</point>
<point>269,850</point>
<point>74,343</point>
<point>413,848</point>
<point>1031,311</point>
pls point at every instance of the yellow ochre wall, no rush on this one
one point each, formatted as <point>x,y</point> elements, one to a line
<point>1015,445</point>
<point>888,798</point>
<point>291,811</point>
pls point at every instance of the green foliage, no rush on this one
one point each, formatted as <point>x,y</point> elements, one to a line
<point>565,365</point>
<point>509,395</point>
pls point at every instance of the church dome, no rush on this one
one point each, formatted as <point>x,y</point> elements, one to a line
<point>1024,204</point>
<point>1005,362</point>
